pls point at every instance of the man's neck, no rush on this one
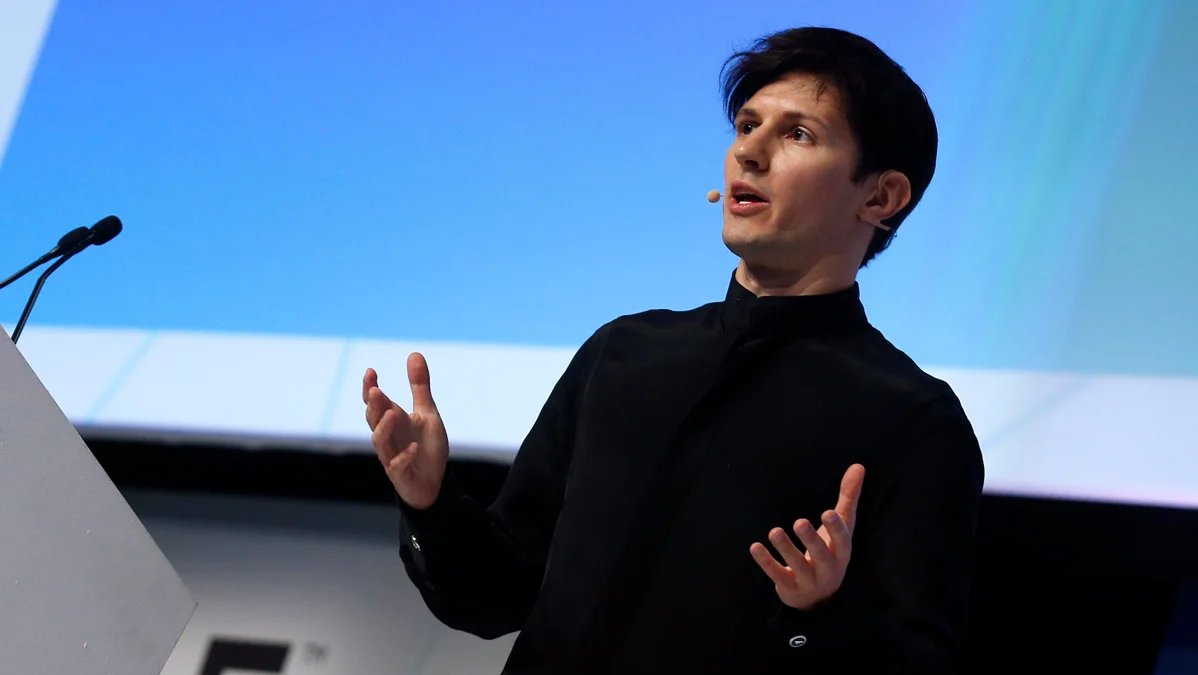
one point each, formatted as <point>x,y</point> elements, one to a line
<point>819,280</point>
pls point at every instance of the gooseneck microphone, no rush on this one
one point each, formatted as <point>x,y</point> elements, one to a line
<point>99,234</point>
<point>66,243</point>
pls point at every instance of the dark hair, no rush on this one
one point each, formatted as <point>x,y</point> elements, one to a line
<point>887,112</point>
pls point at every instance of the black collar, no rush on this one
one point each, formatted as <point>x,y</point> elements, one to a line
<point>793,315</point>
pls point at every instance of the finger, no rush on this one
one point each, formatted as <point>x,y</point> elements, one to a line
<point>793,557</point>
<point>817,549</point>
<point>422,396</point>
<point>380,439</point>
<point>377,403</point>
<point>840,538</point>
<point>391,435</point>
<point>850,494</point>
<point>401,461</point>
<point>369,379</point>
<point>768,564</point>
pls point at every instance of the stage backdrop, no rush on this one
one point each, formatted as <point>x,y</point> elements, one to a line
<point>309,188</point>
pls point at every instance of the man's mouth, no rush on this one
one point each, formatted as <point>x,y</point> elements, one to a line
<point>743,193</point>
<point>748,198</point>
<point>745,200</point>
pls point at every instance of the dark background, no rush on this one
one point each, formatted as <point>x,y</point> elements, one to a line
<point>1061,586</point>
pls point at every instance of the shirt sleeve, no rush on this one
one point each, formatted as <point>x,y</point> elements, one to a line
<point>479,569</point>
<point>904,603</point>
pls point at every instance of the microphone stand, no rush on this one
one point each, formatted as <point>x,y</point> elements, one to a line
<point>67,242</point>
<point>37,289</point>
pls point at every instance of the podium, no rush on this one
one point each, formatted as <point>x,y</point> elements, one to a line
<point>83,587</point>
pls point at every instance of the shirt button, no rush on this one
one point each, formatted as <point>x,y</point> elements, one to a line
<point>798,641</point>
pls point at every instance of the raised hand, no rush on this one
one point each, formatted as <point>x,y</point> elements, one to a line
<point>812,576</point>
<point>413,447</point>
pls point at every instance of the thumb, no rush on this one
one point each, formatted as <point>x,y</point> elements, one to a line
<point>422,395</point>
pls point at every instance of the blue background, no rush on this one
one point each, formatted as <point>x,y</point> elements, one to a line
<point>523,172</point>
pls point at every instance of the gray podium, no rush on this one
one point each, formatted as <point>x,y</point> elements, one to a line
<point>83,587</point>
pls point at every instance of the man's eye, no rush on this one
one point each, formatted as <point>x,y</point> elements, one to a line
<point>800,134</point>
<point>746,127</point>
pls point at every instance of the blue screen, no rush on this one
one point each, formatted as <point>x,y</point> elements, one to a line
<point>519,174</point>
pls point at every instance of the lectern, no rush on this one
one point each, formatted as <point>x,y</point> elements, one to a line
<point>84,590</point>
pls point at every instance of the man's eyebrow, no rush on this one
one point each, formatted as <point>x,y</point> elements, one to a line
<point>787,115</point>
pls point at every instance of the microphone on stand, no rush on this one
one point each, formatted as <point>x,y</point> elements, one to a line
<point>98,235</point>
<point>67,242</point>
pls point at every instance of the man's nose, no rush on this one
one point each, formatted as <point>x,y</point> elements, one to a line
<point>752,152</point>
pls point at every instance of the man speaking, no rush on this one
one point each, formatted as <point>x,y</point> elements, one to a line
<point>759,485</point>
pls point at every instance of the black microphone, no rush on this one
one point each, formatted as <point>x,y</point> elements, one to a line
<point>99,234</point>
<point>66,243</point>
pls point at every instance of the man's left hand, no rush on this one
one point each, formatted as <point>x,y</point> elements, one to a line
<point>813,576</point>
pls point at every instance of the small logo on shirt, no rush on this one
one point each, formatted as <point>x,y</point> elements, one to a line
<point>798,641</point>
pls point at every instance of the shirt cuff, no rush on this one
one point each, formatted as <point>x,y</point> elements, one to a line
<point>833,626</point>
<point>427,533</point>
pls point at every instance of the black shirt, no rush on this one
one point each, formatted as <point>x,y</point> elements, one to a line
<point>620,540</point>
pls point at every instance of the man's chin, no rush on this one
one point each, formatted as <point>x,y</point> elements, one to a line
<point>761,251</point>
<point>748,244</point>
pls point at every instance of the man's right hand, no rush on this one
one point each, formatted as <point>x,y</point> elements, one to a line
<point>413,447</point>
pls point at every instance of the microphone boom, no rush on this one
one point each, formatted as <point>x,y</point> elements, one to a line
<point>71,244</point>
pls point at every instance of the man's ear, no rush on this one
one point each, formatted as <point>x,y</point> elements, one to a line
<point>892,192</point>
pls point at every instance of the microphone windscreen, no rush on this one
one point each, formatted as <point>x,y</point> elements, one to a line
<point>105,230</point>
<point>713,196</point>
<point>73,238</point>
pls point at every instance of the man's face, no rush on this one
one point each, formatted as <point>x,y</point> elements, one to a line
<point>789,197</point>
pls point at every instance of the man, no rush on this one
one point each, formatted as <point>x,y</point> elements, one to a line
<point>630,534</point>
